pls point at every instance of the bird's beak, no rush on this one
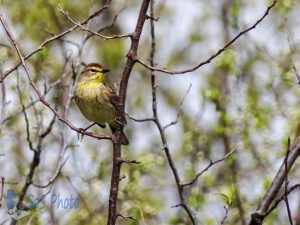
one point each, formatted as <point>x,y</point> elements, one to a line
<point>105,71</point>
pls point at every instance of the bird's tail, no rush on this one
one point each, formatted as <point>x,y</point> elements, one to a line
<point>124,140</point>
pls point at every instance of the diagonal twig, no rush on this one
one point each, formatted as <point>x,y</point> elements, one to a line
<point>37,91</point>
<point>49,40</point>
<point>220,51</point>
<point>179,111</point>
<point>211,163</point>
<point>91,31</point>
<point>286,182</point>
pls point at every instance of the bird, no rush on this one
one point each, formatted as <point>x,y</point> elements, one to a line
<point>96,99</point>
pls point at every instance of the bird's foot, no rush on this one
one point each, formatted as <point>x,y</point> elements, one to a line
<point>118,121</point>
<point>82,132</point>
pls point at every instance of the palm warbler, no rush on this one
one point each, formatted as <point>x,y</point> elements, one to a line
<point>96,99</point>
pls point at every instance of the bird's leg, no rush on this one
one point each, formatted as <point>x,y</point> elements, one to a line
<point>85,129</point>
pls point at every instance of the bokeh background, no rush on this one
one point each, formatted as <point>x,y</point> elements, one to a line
<point>247,98</point>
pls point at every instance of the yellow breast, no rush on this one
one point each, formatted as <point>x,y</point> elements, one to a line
<point>93,101</point>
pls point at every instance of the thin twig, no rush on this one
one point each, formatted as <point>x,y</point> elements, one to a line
<point>160,128</point>
<point>226,208</point>
<point>263,207</point>
<point>281,198</point>
<point>54,177</point>
<point>179,110</point>
<point>102,28</point>
<point>56,37</point>
<point>39,94</point>
<point>25,117</point>
<point>139,120</point>
<point>211,163</point>
<point>91,31</point>
<point>286,182</point>
<point>289,39</point>
<point>220,51</point>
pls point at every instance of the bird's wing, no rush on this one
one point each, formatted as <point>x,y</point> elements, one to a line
<point>114,98</point>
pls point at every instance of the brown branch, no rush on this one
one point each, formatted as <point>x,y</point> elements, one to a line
<point>102,28</point>
<point>207,61</point>
<point>37,150</point>
<point>258,216</point>
<point>34,164</point>
<point>211,163</point>
<point>286,182</point>
<point>161,129</point>
<point>47,89</point>
<point>117,158</point>
<point>60,164</point>
<point>179,110</point>
<point>54,177</point>
<point>25,117</point>
<point>226,208</point>
<point>291,46</point>
<point>56,37</point>
<point>139,120</point>
<point>91,31</point>
<point>278,200</point>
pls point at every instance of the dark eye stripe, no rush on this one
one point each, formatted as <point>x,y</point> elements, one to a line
<point>93,70</point>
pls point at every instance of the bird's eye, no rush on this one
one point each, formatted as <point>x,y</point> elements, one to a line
<point>93,70</point>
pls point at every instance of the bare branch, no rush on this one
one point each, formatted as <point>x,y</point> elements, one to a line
<point>226,208</point>
<point>179,110</point>
<point>25,117</point>
<point>54,177</point>
<point>41,97</point>
<point>211,163</point>
<point>286,182</point>
<point>282,197</point>
<point>263,207</point>
<point>102,28</point>
<point>291,46</point>
<point>56,37</point>
<point>207,61</point>
<point>160,128</point>
<point>90,31</point>
<point>116,139</point>
<point>139,120</point>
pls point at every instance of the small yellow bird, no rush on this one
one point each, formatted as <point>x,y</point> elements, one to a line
<point>96,99</point>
